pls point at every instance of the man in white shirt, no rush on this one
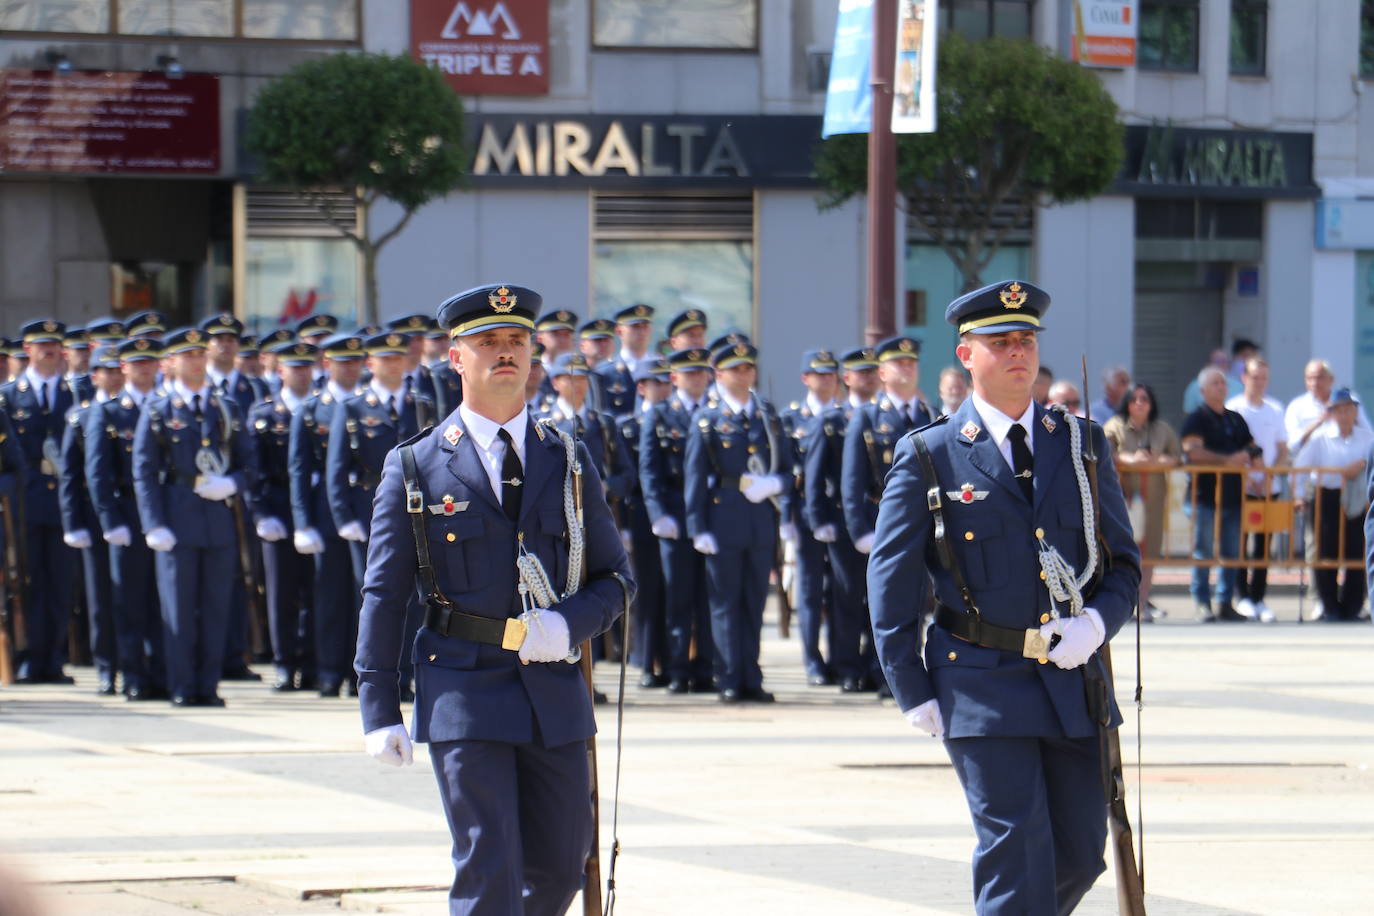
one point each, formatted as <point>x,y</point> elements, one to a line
<point>1264,416</point>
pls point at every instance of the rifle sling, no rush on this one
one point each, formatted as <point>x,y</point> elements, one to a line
<point>942,547</point>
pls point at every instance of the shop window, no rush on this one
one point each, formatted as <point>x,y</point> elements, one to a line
<point>675,252</point>
<point>1367,39</point>
<point>1196,218</point>
<point>1168,35</point>
<point>1249,31</point>
<point>979,19</point>
<point>725,25</point>
<point>296,20</point>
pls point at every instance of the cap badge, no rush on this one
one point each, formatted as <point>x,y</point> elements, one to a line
<point>741,350</point>
<point>393,340</point>
<point>141,344</point>
<point>1013,296</point>
<point>1048,423</point>
<point>904,346</point>
<point>641,311</point>
<point>966,494</point>
<point>824,356</point>
<point>50,326</point>
<point>193,336</point>
<point>970,431</point>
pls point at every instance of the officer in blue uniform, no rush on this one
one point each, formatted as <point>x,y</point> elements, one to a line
<point>448,387</point>
<point>633,326</point>
<point>823,512</point>
<point>192,456</point>
<point>554,331</point>
<point>662,477</point>
<point>270,377</point>
<point>335,596</point>
<point>649,641</point>
<point>537,398</point>
<point>80,525</point>
<point>507,740</point>
<point>76,353</point>
<point>687,331</point>
<point>315,330</point>
<point>418,377</point>
<point>287,573</point>
<point>596,343</point>
<point>37,402</point>
<point>870,440</point>
<point>1005,667</point>
<point>737,460</point>
<point>573,413</point>
<point>109,434</point>
<point>820,375</point>
<point>148,323</point>
<point>105,332</point>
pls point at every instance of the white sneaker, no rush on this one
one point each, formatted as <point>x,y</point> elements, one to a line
<point>1246,608</point>
<point>1264,613</point>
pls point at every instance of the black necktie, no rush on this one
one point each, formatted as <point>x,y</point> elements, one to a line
<point>391,413</point>
<point>195,405</point>
<point>512,476</point>
<point>1021,460</point>
<point>43,397</point>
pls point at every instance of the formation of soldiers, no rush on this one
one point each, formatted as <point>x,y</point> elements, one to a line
<point>218,489</point>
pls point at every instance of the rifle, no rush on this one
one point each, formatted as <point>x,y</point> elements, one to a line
<point>1130,882</point>
<point>12,611</point>
<point>591,887</point>
<point>258,644</point>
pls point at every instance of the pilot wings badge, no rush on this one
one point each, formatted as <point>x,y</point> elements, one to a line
<point>966,494</point>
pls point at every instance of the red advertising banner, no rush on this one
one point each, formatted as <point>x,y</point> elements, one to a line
<point>104,122</point>
<point>484,47</point>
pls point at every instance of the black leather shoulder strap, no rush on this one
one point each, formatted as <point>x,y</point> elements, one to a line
<point>936,506</point>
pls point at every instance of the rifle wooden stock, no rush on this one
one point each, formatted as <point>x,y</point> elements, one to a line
<point>13,608</point>
<point>257,609</point>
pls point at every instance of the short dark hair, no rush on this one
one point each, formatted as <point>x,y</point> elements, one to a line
<point>1124,411</point>
<point>1243,343</point>
<point>1045,370</point>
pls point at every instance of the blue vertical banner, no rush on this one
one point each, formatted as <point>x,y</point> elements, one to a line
<point>848,96</point>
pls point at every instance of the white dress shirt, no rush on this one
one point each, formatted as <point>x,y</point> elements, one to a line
<point>490,449</point>
<point>187,395</point>
<point>292,402</point>
<point>45,389</point>
<point>999,425</point>
<point>135,395</point>
<point>387,397</point>
<point>338,392</point>
<point>747,408</point>
<point>816,406</point>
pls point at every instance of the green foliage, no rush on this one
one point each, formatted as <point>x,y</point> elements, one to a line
<point>387,125</point>
<point>1014,121</point>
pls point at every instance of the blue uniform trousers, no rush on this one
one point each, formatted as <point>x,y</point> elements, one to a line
<point>687,611</point>
<point>851,630</point>
<point>95,564</point>
<point>287,576</point>
<point>236,635</point>
<point>521,830</point>
<point>137,621</point>
<point>1040,818</point>
<point>49,604</point>
<point>195,610</point>
<point>336,611</point>
<point>813,591</point>
<point>737,582</point>
<point>649,641</point>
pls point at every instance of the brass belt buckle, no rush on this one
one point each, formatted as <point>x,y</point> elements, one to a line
<point>1035,645</point>
<point>514,637</point>
<point>745,481</point>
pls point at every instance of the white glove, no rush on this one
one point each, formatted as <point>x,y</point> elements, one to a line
<point>706,543</point>
<point>788,532</point>
<point>927,718</point>
<point>353,531</point>
<point>760,488</point>
<point>119,537</point>
<point>865,543</point>
<point>308,541</point>
<point>666,527</point>
<point>215,488</point>
<point>547,639</point>
<point>390,744</point>
<point>626,539</point>
<point>161,539</point>
<point>826,533</point>
<point>1079,638</point>
<point>271,529</point>
<point>79,539</point>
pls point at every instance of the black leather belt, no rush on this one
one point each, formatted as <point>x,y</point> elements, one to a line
<point>506,632</point>
<point>1027,643</point>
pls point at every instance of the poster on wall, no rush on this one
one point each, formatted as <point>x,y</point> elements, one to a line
<point>287,280</point>
<point>1104,33</point>
<point>484,47</point>
<point>913,99</point>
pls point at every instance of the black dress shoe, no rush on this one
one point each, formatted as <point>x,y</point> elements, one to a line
<point>756,695</point>
<point>330,688</point>
<point>155,693</point>
<point>819,680</point>
<point>106,689</point>
<point>678,687</point>
<point>137,694</point>
<point>59,679</point>
<point>599,698</point>
<point>180,699</point>
<point>241,673</point>
<point>703,685</point>
<point>852,685</point>
<point>350,688</point>
<point>653,680</point>
<point>730,695</point>
<point>307,681</point>
<point>284,681</point>
<point>213,699</point>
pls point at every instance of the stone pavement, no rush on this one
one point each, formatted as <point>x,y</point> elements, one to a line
<point>1257,787</point>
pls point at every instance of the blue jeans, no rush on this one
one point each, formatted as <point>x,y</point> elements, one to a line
<point>1203,523</point>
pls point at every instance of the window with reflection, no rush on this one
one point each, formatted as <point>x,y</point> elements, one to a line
<point>707,24</point>
<point>314,20</point>
<point>55,15</point>
<point>1249,36</point>
<point>716,276</point>
<point>200,18</point>
<point>1168,35</point>
<point>979,19</point>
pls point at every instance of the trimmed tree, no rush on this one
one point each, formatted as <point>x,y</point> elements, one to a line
<point>373,125</point>
<point>1015,124</point>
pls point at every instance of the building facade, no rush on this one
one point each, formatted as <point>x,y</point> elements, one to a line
<point>665,157</point>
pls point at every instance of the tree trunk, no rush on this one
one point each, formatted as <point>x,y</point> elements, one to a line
<point>371,306</point>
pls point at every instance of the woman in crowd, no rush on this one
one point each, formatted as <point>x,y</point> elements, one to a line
<point>1144,443</point>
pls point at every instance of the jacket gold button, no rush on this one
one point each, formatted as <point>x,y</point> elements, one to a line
<point>1039,532</point>
<point>1043,660</point>
<point>953,655</point>
<point>433,657</point>
<point>968,535</point>
<point>1044,618</point>
<point>1042,575</point>
<point>450,537</point>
